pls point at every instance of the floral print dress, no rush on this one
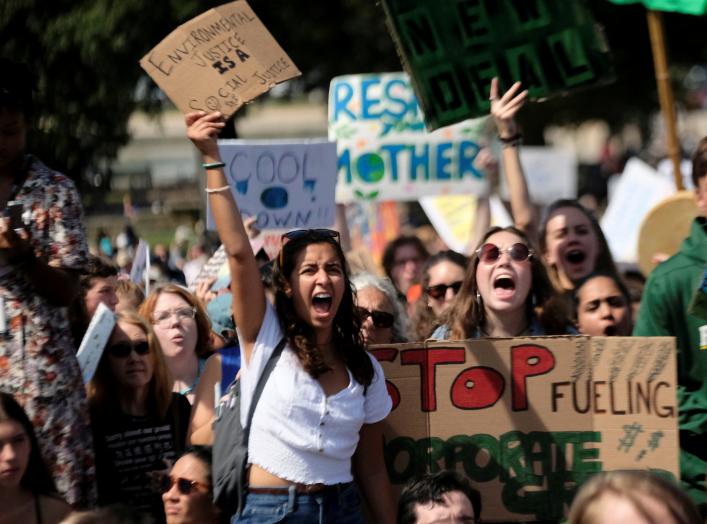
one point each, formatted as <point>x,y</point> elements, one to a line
<point>38,365</point>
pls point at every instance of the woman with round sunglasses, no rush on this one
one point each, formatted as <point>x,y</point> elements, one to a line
<point>506,293</point>
<point>186,491</point>
<point>383,317</point>
<point>184,332</point>
<point>27,491</point>
<point>319,419</point>
<point>138,422</point>
<point>442,278</point>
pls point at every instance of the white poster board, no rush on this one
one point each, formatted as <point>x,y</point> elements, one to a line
<point>639,188</point>
<point>384,150</point>
<point>94,341</point>
<point>551,174</point>
<point>284,184</point>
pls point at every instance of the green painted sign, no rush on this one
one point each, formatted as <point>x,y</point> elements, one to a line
<point>453,49</point>
<point>686,7</point>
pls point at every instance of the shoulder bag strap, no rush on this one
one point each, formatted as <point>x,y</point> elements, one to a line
<point>261,385</point>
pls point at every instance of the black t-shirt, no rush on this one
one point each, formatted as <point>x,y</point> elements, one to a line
<point>129,449</point>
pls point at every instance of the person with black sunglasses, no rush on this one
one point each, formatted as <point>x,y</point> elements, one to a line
<point>442,278</point>
<point>383,317</point>
<point>186,491</point>
<point>318,421</point>
<point>138,422</point>
<point>506,292</point>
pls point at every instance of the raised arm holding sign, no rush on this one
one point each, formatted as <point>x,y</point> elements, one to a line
<point>324,363</point>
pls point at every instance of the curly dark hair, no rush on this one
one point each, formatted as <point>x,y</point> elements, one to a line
<point>467,314</point>
<point>346,330</point>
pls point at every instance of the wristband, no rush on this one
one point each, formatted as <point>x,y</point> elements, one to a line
<point>217,189</point>
<point>213,165</point>
<point>511,141</point>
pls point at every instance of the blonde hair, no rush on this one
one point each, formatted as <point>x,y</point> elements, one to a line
<point>130,293</point>
<point>203,324</point>
<point>634,486</point>
<point>101,388</point>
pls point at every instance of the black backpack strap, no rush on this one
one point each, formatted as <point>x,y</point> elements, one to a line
<point>261,385</point>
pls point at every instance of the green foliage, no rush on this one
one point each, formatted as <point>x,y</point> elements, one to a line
<point>84,54</point>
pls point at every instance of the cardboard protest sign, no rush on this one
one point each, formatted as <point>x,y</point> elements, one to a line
<point>285,185</point>
<point>385,152</point>
<point>452,50</point>
<point>218,61</point>
<point>664,228</point>
<point>94,341</point>
<point>639,189</point>
<point>527,420</point>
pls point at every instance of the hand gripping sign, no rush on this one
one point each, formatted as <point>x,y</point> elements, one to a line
<point>218,61</point>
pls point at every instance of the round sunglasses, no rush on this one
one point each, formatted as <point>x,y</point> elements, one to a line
<point>381,319</point>
<point>184,486</point>
<point>123,349</point>
<point>518,252</point>
<point>439,291</point>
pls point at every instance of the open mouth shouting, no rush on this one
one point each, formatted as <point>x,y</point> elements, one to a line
<point>504,286</point>
<point>322,302</point>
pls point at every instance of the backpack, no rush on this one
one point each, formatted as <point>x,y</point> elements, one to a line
<point>230,449</point>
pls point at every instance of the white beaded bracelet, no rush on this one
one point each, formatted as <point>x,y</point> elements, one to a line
<point>217,189</point>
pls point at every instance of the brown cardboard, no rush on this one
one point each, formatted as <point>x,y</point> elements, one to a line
<point>218,61</point>
<point>515,398</point>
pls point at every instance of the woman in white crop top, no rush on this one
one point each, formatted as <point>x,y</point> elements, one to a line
<point>319,420</point>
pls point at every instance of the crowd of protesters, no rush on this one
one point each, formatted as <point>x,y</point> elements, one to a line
<point>139,433</point>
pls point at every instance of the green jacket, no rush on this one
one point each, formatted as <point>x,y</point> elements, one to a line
<point>663,312</point>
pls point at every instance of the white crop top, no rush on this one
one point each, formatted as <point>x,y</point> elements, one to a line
<point>298,433</point>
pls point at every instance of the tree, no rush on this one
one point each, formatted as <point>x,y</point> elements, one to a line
<point>84,54</point>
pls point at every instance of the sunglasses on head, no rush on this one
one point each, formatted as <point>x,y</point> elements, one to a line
<point>381,319</point>
<point>184,486</point>
<point>518,252</point>
<point>123,349</point>
<point>315,234</point>
<point>440,290</point>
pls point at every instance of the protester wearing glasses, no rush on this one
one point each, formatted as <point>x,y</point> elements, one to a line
<point>318,420</point>
<point>138,422</point>
<point>442,277</point>
<point>187,495</point>
<point>506,293</point>
<point>184,331</point>
<point>383,318</point>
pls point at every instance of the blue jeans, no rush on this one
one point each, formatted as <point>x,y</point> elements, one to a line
<point>339,504</point>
